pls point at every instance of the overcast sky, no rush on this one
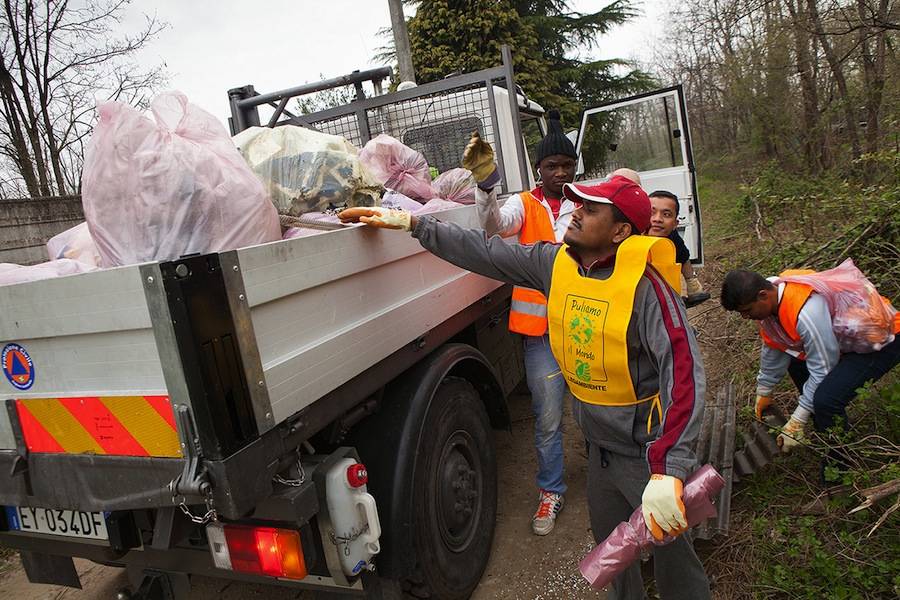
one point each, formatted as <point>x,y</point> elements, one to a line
<point>214,45</point>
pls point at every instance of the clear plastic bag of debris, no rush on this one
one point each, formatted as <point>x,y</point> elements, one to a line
<point>307,171</point>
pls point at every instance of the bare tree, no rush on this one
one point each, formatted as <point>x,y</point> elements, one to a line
<point>58,59</point>
<point>791,80</point>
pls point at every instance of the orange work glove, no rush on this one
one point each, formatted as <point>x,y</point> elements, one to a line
<point>663,507</point>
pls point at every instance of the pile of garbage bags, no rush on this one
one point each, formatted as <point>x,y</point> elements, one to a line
<point>159,188</point>
<point>401,169</point>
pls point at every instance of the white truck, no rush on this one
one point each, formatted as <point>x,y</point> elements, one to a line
<point>314,412</point>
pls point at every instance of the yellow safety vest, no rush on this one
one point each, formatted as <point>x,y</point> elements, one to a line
<point>588,320</point>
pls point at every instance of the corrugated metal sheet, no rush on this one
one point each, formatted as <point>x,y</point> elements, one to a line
<point>715,446</point>
<point>759,445</point>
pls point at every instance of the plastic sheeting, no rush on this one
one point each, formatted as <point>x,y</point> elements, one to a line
<point>456,185</point>
<point>10,273</point>
<point>159,190</point>
<point>398,167</point>
<point>862,320</point>
<point>626,542</point>
<point>76,244</point>
<point>305,170</point>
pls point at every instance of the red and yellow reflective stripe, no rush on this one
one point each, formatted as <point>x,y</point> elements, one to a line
<point>116,425</point>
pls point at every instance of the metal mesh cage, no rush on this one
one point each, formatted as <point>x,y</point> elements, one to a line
<point>439,125</point>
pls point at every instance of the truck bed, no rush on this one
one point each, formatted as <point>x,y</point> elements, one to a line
<point>322,309</point>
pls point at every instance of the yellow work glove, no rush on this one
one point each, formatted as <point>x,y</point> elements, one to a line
<point>662,506</point>
<point>478,157</point>
<point>792,435</point>
<point>762,403</point>
<point>377,216</point>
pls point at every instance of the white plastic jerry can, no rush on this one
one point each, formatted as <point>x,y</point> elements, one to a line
<point>353,515</point>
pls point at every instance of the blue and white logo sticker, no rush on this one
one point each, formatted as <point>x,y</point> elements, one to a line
<point>17,366</point>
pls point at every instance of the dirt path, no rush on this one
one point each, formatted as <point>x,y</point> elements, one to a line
<point>522,565</point>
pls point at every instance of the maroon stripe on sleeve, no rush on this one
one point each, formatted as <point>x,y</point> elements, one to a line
<point>683,388</point>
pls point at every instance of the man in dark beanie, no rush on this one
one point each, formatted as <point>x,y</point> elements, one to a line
<point>540,215</point>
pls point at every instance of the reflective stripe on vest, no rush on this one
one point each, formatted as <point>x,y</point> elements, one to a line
<point>528,309</point>
<point>589,321</point>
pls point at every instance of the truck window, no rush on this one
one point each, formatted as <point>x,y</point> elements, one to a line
<point>443,143</point>
<point>641,136</point>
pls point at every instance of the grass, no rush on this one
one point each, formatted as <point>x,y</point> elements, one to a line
<point>787,539</point>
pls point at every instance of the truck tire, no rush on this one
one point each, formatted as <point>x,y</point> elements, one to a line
<point>455,494</point>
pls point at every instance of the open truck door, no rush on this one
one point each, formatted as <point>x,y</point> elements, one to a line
<point>648,133</point>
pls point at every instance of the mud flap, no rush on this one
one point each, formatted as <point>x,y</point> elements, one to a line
<point>51,569</point>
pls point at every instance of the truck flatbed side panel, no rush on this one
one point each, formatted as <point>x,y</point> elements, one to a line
<point>87,335</point>
<point>326,307</point>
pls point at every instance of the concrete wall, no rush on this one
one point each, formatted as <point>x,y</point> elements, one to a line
<point>27,223</point>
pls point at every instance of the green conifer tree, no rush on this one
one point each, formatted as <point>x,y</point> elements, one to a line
<point>450,36</point>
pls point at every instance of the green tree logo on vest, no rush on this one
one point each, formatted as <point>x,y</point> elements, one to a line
<point>581,331</point>
<point>582,370</point>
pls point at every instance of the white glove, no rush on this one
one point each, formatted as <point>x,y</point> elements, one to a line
<point>663,507</point>
<point>793,433</point>
<point>377,216</point>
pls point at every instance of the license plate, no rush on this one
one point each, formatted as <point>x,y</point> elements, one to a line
<point>69,523</point>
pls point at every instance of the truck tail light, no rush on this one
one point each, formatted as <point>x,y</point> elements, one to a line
<point>257,550</point>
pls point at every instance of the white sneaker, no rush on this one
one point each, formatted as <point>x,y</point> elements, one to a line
<point>545,518</point>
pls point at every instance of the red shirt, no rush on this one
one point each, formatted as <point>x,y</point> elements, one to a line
<point>554,203</point>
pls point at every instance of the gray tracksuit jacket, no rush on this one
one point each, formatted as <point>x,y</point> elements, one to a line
<point>663,355</point>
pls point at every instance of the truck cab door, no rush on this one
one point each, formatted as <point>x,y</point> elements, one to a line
<point>648,133</point>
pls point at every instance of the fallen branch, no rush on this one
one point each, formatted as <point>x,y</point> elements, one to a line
<point>758,219</point>
<point>876,493</point>
<point>884,517</point>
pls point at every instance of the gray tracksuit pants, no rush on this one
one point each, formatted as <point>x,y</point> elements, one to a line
<point>615,484</point>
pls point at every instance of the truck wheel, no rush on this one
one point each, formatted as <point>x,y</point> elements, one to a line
<point>455,493</point>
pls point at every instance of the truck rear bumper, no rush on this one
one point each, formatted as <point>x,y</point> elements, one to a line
<point>88,482</point>
<point>172,560</point>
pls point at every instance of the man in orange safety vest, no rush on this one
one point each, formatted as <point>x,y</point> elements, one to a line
<point>539,215</point>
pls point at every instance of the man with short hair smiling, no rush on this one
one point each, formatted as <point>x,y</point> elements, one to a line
<point>663,223</point>
<point>619,333</point>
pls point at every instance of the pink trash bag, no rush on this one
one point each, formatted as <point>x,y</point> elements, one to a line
<point>397,167</point>
<point>436,205</point>
<point>10,273</point>
<point>862,320</point>
<point>75,243</point>
<point>626,542</point>
<point>456,185</point>
<point>159,190</point>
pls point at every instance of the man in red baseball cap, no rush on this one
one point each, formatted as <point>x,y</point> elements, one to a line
<point>618,331</point>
